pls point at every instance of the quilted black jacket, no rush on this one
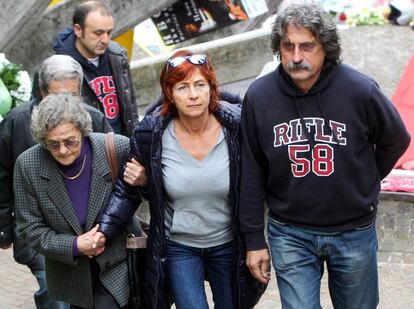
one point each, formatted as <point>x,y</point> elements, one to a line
<point>146,147</point>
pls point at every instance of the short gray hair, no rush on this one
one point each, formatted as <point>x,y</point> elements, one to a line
<point>59,68</point>
<point>57,109</point>
<point>312,17</point>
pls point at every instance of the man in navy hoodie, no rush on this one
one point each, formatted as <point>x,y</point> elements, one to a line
<point>317,138</point>
<point>107,78</point>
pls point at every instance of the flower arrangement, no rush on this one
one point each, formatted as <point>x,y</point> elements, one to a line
<point>356,13</point>
<point>367,16</point>
<point>15,85</point>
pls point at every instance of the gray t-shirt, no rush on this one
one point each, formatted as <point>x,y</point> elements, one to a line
<point>197,213</point>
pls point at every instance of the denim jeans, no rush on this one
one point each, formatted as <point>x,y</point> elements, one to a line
<point>186,269</point>
<point>351,258</point>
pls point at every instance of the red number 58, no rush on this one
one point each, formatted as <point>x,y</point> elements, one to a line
<point>322,160</point>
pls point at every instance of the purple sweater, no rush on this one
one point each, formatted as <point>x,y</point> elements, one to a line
<point>78,188</point>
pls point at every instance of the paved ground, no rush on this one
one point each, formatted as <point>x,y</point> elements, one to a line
<point>17,286</point>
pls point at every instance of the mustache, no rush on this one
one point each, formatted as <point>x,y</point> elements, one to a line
<point>298,66</point>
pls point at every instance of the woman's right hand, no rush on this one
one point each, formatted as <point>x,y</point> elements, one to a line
<point>134,174</point>
<point>88,245</point>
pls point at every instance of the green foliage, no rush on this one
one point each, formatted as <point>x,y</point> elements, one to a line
<point>9,76</point>
<point>370,20</point>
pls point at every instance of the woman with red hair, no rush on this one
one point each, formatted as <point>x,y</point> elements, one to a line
<point>189,145</point>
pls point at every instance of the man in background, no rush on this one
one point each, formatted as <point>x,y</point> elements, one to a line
<point>107,78</point>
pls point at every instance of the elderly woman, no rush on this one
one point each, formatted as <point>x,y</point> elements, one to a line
<point>189,146</point>
<point>60,186</point>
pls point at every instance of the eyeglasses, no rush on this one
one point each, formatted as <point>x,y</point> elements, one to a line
<point>307,47</point>
<point>69,143</point>
<point>194,59</point>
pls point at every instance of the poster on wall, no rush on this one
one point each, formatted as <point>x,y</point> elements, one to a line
<point>187,19</point>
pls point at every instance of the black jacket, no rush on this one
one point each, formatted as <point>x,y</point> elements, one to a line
<point>146,147</point>
<point>15,138</point>
<point>118,62</point>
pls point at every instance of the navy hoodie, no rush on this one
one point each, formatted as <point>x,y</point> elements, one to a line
<point>316,158</point>
<point>99,78</point>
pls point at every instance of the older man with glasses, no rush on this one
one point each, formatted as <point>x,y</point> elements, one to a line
<point>317,138</point>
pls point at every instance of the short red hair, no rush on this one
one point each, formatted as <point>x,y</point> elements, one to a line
<point>170,76</point>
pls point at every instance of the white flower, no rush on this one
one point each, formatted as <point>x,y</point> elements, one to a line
<point>1,118</point>
<point>24,88</point>
<point>22,93</point>
<point>3,60</point>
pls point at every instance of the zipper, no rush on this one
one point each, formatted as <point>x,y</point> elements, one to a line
<point>236,201</point>
<point>157,167</point>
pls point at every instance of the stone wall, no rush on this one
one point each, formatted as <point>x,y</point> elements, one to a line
<point>234,58</point>
<point>395,228</point>
<point>32,46</point>
<point>379,51</point>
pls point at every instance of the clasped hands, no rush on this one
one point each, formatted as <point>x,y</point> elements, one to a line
<point>91,243</point>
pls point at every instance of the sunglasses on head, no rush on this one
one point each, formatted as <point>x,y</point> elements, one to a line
<point>194,59</point>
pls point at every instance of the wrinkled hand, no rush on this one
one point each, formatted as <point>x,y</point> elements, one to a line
<point>258,262</point>
<point>135,174</point>
<point>87,246</point>
<point>98,240</point>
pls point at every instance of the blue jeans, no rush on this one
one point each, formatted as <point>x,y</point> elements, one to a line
<point>186,268</point>
<point>351,258</point>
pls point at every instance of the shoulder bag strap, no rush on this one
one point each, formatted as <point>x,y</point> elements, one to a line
<point>111,155</point>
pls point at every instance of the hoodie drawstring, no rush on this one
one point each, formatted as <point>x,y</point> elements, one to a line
<point>327,126</point>
<point>302,121</point>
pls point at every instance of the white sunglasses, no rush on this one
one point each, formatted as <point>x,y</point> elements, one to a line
<point>197,59</point>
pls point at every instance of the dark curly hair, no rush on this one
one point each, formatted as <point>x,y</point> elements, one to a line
<point>314,18</point>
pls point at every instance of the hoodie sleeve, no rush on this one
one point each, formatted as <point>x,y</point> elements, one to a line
<point>391,137</point>
<point>253,180</point>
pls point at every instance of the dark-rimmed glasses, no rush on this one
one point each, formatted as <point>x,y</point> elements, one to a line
<point>69,143</point>
<point>196,59</point>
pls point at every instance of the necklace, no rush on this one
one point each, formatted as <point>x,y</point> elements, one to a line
<point>78,174</point>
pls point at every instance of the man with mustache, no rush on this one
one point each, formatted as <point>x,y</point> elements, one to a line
<point>107,78</point>
<point>317,138</point>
